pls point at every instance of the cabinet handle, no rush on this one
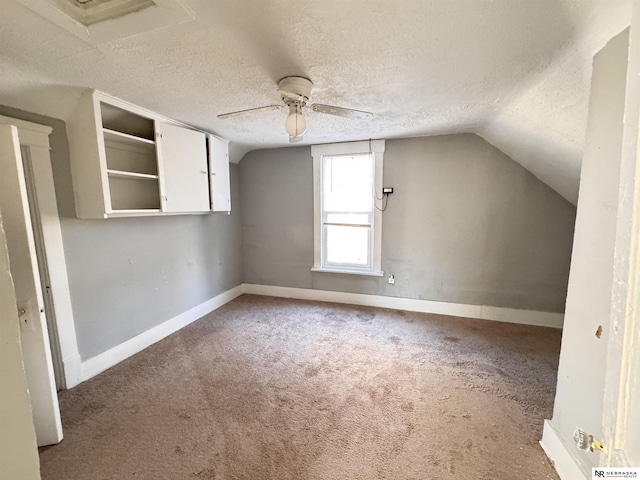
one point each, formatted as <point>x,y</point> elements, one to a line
<point>204,171</point>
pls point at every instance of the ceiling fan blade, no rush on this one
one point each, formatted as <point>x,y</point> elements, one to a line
<point>222,116</point>
<point>295,139</point>
<point>341,112</point>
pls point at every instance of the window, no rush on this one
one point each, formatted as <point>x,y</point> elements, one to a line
<point>348,226</point>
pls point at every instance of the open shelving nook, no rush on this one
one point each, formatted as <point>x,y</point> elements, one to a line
<point>132,161</point>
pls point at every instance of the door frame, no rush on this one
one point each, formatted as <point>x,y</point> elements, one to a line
<point>34,335</point>
<point>622,381</point>
<point>35,139</point>
<point>623,346</point>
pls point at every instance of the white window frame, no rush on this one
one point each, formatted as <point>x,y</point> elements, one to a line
<point>376,148</point>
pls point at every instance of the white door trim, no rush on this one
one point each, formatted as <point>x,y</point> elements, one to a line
<point>623,346</point>
<point>34,336</point>
<point>620,413</point>
<point>35,138</point>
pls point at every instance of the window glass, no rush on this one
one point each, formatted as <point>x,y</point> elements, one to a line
<point>347,183</point>
<point>347,245</point>
<point>347,210</point>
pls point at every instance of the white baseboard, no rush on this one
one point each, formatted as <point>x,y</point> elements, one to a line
<point>511,315</point>
<point>564,463</point>
<point>117,354</point>
<point>79,372</point>
<point>72,371</point>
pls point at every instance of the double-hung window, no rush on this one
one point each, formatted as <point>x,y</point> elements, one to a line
<point>348,226</point>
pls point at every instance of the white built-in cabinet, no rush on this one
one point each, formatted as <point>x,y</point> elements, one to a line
<point>127,161</point>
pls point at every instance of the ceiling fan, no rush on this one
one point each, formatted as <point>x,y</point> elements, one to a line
<point>295,93</point>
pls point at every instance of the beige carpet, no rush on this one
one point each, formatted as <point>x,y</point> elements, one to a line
<point>268,388</point>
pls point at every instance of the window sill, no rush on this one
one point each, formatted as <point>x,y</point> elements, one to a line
<point>348,272</point>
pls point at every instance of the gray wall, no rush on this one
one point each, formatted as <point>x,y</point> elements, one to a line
<point>128,275</point>
<point>466,224</point>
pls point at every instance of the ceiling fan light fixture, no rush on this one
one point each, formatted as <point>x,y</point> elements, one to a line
<point>295,93</point>
<point>295,124</point>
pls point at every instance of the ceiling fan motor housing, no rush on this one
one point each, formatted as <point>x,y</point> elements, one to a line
<point>295,90</point>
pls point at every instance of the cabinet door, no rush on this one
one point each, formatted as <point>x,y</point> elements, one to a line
<point>219,170</point>
<point>183,169</point>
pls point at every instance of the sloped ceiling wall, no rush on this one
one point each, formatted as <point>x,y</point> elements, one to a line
<point>542,124</point>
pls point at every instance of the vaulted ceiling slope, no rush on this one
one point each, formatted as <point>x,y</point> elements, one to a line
<point>514,71</point>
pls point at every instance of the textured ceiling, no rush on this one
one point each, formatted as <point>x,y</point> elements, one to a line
<point>514,71</point>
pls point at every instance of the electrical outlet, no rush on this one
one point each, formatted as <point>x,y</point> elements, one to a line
<point>387,190</point>
<point>392,279</point>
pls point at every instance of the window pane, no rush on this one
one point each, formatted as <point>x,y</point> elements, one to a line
<point>348,183</point>
<point>347,245</point>
<point>351,218</point>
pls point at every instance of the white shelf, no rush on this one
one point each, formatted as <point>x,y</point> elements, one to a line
<point>115,136</point>
<point>134,175</point>
<point>133,212</point>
